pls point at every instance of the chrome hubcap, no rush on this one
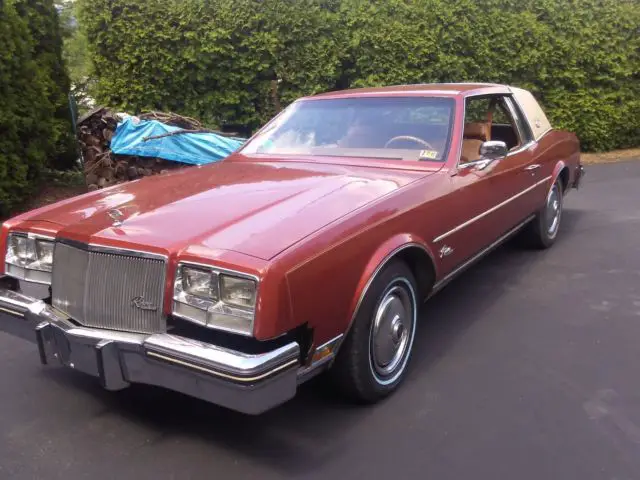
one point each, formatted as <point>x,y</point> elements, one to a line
<point>392,333</point>
<point>554,210</point>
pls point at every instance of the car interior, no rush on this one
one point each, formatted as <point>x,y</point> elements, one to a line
<point>379,135</point>
<point>487,119</point>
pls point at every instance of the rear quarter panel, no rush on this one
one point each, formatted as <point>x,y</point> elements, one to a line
<point>556,150</point>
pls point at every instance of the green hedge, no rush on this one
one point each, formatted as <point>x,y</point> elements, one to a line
<point>222,60</point>
<point>215,60</point>
<point>35,131</point>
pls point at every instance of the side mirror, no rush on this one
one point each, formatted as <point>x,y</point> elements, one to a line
<point>489,152</point>
<point>493,150</point>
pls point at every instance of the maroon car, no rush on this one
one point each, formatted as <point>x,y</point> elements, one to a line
<point>309,249</point>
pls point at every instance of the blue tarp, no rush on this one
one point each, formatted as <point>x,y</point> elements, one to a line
<point>192,148</point>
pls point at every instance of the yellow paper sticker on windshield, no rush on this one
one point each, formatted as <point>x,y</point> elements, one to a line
<point>430,154</point>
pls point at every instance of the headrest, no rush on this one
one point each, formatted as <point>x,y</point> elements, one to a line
<point>479,131</point>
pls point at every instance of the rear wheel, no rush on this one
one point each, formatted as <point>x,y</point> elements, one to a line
<point>373,359</point>
<point>543,229</point>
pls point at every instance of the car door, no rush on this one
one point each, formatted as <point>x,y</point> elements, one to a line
<point>536,169</point>
<point>488,199</point>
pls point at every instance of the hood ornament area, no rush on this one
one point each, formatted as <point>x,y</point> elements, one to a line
<point>116,215</point>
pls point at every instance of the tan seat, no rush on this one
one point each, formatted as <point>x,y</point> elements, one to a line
<point>474,135</point>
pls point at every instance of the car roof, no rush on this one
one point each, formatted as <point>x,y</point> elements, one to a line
<point>424,89</point>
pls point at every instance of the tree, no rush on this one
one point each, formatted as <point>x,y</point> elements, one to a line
<point>75,53</point>
<point>43,22</point>
<point>33,131</point>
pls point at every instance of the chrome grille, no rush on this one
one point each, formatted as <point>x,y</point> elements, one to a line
<point>99,289</point>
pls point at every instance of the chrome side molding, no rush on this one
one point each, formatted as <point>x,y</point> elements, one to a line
<point>439,285</point>
<point>491,210</point>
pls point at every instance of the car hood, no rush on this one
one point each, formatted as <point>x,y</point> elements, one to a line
<point>255,208</point>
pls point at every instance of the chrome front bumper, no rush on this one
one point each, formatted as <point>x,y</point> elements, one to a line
<point>247,383</point>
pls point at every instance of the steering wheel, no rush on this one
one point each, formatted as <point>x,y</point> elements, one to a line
<point>410,138</point>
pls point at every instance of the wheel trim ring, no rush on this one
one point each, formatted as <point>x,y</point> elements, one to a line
<point>553,211</point>
<point>386,376</point>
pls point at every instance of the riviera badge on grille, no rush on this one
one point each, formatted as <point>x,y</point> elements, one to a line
<point>142,304</point>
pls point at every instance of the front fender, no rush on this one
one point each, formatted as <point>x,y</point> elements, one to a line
<point>385,252</point>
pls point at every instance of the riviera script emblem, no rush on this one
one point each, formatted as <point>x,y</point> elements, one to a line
<point>117,216</point>
<point>142,304</point>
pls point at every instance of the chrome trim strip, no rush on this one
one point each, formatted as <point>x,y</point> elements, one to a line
<point>542,134</point>
<point>31,235</point>
<point>229,361</point>
<point>520,149</point>
<point>96,247</point>
<point>18,300</point>
<point>220,374</point>
<point>129,252</point>
<point>12,312</point>
<point>384,261</point>
<point>90,335</point>
<point>464,115</point>
<point>481,162</point>
<point>306,373</point>
<point>450,276</point>
<point>204,324</point>
<point>327,343</point>
<point>23,276</point>
<point>40,236</point>
<point>217,269</point>
<point>491,210</point>
<point>522,136</point>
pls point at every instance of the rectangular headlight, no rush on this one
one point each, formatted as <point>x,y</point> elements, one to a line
<point>240,292</point>
<point>29,257</point>
<point>200,283</point>
<point>223,301</point>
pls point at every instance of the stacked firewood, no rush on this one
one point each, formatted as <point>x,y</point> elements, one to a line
<point>102,167</point>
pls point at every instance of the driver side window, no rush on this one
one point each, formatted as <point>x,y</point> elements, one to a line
<point>487,118</point>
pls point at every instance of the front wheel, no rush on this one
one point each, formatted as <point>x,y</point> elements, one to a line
<point>373,360</point>
<point>543,229</point>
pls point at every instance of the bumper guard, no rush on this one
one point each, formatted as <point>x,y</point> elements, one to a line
<point>246,383</point>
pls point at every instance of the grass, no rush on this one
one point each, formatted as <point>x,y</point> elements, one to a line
<point>612,156</point>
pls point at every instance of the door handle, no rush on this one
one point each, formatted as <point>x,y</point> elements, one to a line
<point>532,167</point>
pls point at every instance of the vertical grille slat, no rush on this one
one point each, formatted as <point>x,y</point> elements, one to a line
<point>97,289</point>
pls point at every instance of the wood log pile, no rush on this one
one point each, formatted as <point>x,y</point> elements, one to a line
<point>102,168</point>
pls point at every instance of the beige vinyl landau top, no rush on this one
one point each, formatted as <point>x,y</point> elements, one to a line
<point>532,110</point>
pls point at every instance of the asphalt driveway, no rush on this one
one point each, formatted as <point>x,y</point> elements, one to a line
<point>527,367</point>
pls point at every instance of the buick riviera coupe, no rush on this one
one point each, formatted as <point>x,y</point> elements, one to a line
<point>310,249</point>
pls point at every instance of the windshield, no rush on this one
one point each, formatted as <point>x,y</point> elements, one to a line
<point>402,128</point>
